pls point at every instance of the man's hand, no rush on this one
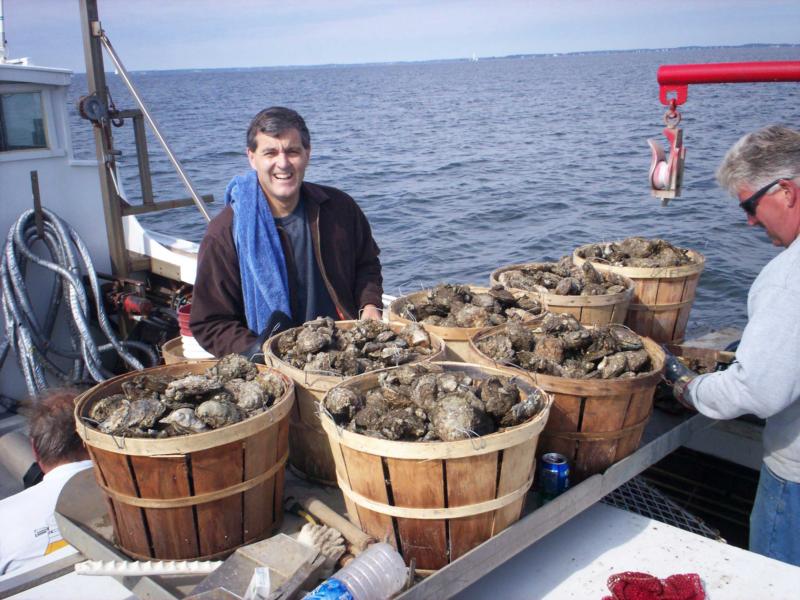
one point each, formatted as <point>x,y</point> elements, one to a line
<point>677,375</point>
<point>370,311</point>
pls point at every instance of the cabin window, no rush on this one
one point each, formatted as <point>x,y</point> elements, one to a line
<point>21,121</point>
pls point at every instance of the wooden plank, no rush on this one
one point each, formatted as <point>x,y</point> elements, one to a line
<point>564,416</point>
<point>172,529</point>
<point>365,472</point>
<point>640,407</point>
<point>341,473</point>
<point>219,523</point>
<point>310,450</point>
<point>420,484</point>
<point>260,453</point>
<point>597,315</point>
<point>470,480</point>
<point>670,291</point>
<point>516,468</point>
<point>599,415</point>
<point>280,478</point>
<point>683,317</point>
<point>131,525</point>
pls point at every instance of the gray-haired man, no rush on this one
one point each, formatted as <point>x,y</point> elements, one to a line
<point>762,170</point>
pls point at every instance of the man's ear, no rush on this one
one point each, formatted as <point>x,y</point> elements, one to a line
<point>792,196</point>
<point>251,156</point>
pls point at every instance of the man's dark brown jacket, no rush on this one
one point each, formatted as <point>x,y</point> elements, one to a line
<point>346,254</point>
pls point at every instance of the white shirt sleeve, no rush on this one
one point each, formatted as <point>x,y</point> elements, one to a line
<point>764,380</point>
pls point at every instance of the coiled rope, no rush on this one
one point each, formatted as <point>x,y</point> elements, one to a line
<point>30,339</point>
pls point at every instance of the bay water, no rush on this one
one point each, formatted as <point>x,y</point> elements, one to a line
<point>464,166</point>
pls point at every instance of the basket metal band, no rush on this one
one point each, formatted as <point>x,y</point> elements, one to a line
<point>598,435</point>
<point>455,512</point>
<point>200,498</point>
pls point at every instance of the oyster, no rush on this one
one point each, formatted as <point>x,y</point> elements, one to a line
<point>498,397</point>
<point>218,413</point>
<point>249,395</point>
<point>459,416</point>
<point>145,413</point>
<point>103,408</point>
<point>191,385</point>
<point>232,366</point>
<point>117,420</point>
<point>343,404</point>
<point>521,412</point>
<point>183,420</point>
<point>403,424</point>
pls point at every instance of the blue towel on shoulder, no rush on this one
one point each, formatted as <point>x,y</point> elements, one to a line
<point>262,265</point>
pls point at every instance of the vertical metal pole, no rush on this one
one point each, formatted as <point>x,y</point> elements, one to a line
<point>96,80</point>
<point>143,159</point>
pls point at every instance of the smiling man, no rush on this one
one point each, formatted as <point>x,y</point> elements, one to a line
<point>282,251</point>
<point>762,170</point>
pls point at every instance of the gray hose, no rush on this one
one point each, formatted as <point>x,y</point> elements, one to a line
<point>31,340</point>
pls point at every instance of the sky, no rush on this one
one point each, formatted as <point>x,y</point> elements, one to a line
<point>186,34</point>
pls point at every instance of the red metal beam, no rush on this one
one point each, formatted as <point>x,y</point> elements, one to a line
<point>675,79</point>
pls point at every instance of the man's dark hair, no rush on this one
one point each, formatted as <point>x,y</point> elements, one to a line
<point>52,428</point>
<point>273,121</point>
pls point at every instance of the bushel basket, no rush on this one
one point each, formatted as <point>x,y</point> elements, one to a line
<point>435,501</point>
<point>310,453</point>
<point>196,496</point>
<point>593,422</point>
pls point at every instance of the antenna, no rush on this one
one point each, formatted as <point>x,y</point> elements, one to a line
<point>3,42</point>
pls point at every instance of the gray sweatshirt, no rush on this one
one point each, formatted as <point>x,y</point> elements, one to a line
<point>765,379</point>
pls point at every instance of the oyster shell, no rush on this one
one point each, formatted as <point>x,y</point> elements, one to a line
<point>218,413</point>
<point>183,420</point>
<point>232,366</point>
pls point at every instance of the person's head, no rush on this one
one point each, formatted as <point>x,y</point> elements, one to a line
<point>762,170</point>
<point>278,148</point>
<point>52,429</point>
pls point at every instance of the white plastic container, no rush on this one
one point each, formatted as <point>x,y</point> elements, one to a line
<point>377,573</point>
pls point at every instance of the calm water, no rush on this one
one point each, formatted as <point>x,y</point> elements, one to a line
<point>465,166</point>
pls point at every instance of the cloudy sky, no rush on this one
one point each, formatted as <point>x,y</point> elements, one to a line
<point>170,34</point>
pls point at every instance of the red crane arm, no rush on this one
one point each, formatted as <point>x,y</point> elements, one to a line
<point>675,79</point>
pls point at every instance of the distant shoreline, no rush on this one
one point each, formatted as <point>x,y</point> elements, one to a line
<point>460,59</point>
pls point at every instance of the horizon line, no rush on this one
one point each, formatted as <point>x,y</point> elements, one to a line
<point>460,59</point>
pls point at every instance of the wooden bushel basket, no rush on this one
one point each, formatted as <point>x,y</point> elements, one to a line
<point>662,298</point>
<point>456,338</point>
<point>593,422</point>
<point>589,310</point>
<point>172,351</point>
<point>435,501</point>
<point>309,452</point>
<point>197,496</point>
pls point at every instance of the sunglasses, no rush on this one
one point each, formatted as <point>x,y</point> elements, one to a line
<point>749,206</point>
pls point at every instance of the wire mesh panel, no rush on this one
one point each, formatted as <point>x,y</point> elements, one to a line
<point>638,497</point>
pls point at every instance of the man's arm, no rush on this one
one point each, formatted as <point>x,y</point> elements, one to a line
<point>764,380</point>
<point>217,318</point>
<point>368,284</point>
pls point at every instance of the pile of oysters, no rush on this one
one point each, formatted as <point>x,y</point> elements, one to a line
<point>449,305</point>
<point>638,252</point>
<point>424,402</point>
<point>563,278</point>
<point>154,406</point>
<point>562,347</point>
<point>369,345</point>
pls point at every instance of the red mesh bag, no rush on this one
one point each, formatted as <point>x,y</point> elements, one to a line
<point>643,586</point>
